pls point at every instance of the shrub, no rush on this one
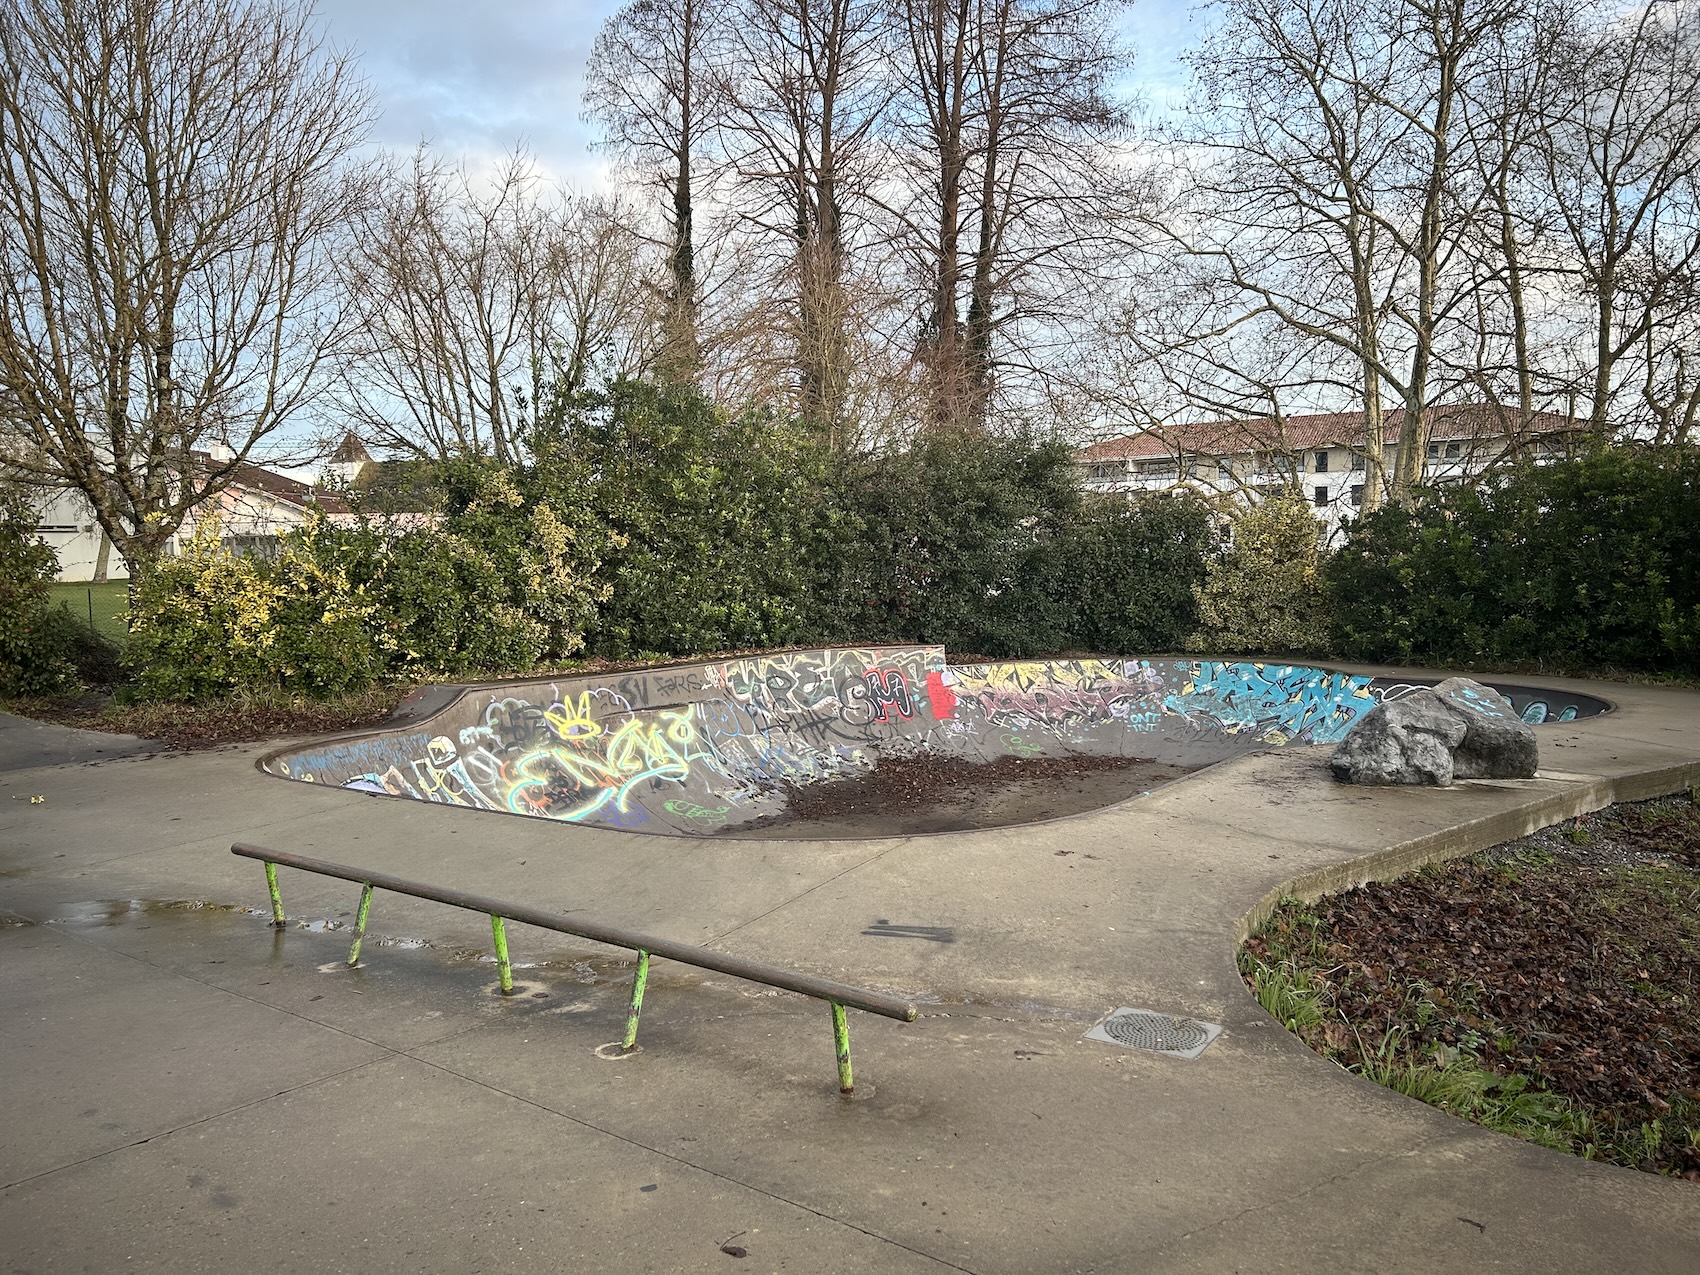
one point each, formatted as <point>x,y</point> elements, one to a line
<point>36,645</point>
<point>1266,595</point>
<point>710,524</point>
<point>95,659</point>
<point>1126,572</point>
<point>202,623</point>
<point>523,547</point>
<point>941,543</point>
<point>1579,564</point>
<point>331,626</point>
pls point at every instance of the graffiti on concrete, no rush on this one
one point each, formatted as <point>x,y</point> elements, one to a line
<point>1055,696</point>
<point>698,748</point>
<point>680,746</point>
<point>1532,704</point>
<point>1280,704</point>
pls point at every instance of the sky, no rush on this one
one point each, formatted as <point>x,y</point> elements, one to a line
<point>475,78</point>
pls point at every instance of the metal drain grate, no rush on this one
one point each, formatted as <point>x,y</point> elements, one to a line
<point>1160,1033</point>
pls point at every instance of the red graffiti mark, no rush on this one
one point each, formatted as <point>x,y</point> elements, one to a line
<point>941,697</point>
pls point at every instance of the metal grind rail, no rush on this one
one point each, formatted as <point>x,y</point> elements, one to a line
<point>840,996</point>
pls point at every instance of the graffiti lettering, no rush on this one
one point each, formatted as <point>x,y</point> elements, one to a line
<point>691,810</point>
<point>886,688</point>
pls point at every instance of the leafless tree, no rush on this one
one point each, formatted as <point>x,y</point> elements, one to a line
<point>806,90</point>
<point>473,291</point>
<point>1621,150</point>
<point>172,175</point>
<point>1331,159</point>
<point>1006,128</point>
<point>653,85</point>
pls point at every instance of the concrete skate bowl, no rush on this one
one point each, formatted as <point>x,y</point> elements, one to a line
<point>720,748</point>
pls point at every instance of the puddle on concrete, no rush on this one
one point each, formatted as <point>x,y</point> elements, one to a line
<point>115,911</point>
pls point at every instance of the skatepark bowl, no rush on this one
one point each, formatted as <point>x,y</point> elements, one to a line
<point>713,748</point>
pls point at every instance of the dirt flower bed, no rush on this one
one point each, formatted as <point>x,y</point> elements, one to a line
<point>1549,988</point>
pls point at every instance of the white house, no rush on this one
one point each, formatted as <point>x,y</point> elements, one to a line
<point>253,511</point>
<point>1320,456</point>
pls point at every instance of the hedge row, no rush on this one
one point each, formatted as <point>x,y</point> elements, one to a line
<point>1588,564</point>
<point>646,523</point>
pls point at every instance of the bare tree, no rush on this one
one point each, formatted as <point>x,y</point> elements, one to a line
<point>806,91</point>
<point>1006,125</point>
<point>1621,151</point>
<point>1337,192</point>
<point>652,85</point>
<point>172,173</point>
<point>471,293</point>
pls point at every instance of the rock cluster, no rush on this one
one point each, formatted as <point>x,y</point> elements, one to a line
<point>1458,730</point>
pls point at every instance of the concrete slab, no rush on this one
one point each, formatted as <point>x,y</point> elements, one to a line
<point>27,745</point>
<point>356,1172</point>
<point>270,1106</point>
<point>101,1051</point>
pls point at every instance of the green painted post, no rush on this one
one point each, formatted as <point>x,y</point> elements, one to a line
<point>639,982</point>
<point>841,1041</point>
<point>504,967</point>
<point>360,924</point>
<point>277,899</point>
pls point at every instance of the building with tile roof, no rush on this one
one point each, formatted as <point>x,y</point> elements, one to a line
<point>1321,456</point>
<point>258,506</point>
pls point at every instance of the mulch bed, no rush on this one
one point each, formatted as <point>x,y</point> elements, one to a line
<point>192,726</point>
<point>1571,957</point>
<point>922,780</point>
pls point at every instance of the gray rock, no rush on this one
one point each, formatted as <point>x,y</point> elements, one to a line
<point>1499,744</point>
<point>1459,730</point>
<point>1404,741</point>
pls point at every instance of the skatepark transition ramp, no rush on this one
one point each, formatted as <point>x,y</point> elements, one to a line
<point>696,749</point>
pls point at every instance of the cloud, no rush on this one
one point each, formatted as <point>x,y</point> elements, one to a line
<point>475,78</point>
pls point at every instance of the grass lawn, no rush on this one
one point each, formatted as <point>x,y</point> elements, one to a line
<point>102,605</point>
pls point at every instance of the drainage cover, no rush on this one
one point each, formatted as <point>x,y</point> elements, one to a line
<point>1160,1033</point>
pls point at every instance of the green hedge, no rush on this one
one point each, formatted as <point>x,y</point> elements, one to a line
<point>1266,595</point>
<point>35,637</point>
<point>1586,563</point>
<point>647,522</point>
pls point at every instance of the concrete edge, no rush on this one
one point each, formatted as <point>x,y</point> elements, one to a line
<point>1471,837</point>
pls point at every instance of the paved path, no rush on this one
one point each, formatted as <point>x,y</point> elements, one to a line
<point>26,745</point>
<point>185,1090</point>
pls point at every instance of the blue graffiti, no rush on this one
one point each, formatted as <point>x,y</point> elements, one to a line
<point>1279,703</point>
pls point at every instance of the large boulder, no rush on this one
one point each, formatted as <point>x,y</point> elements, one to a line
<point>1459,730</point>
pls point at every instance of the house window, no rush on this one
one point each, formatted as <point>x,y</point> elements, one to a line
<point>1452,449</point>
<point>1357,463</point>
<point>1106,470</point>
<point>1357,495</point>
<point>1321,496</point>
<point>1434,451</point>
<point>1322,462</point>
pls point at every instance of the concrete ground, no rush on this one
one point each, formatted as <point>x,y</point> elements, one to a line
<point>184,1089</point>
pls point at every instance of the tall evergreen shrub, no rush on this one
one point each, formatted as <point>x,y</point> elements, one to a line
<point>1584,563</point>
